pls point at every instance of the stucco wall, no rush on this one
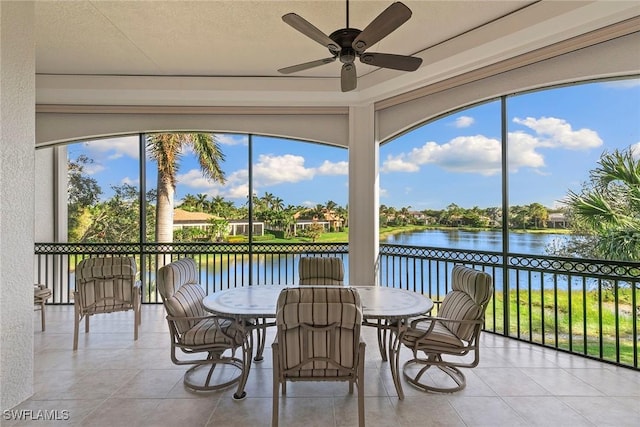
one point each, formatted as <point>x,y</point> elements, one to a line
<point>17,138</point>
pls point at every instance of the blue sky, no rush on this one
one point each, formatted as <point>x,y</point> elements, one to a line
<point>555,138</point>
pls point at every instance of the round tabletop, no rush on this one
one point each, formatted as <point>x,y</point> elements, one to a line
<point>261,300</point>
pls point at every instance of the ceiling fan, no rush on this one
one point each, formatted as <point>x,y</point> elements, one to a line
<point>347,44</point>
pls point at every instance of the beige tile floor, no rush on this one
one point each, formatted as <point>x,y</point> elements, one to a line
<point>113,381</point>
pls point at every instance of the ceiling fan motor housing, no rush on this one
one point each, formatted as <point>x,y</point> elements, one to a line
<point>344,37</point>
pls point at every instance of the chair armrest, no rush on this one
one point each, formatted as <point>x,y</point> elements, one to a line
<point>199,318</point>
<point>434,319</point>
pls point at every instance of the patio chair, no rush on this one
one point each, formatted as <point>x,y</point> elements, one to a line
<point>321,271</point>
<point>453,332</point>
<point>40,296</point>
<point>193,331</point>
<point>106,285</point>
<point>318,339</point>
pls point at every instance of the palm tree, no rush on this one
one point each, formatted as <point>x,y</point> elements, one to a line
<point>609,206</point>
<point>201,202</point>
<point>189,202</point>
<point>166,149</point>
<point>218,206</point>
<point>538,214</point>
<point>267,200</point>
<point>277,204</point>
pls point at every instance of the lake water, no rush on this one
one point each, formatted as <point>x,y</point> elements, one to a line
<point>234,271</point>
<point>524,243</point>
<point>521,243</point>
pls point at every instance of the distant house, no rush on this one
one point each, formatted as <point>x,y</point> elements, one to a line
<point>240,227</point>
<point>329,221</point>
<point>202,220</point>
<point>422,218</point>
<point>302,224</point>
<point>557,220</point>
<point>183,219</point>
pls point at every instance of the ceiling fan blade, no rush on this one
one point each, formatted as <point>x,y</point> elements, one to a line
<point>309,30</point>
<point>389,60</point>
<point>306,65</point>
<point>348,77</point>
<point>383,25</point>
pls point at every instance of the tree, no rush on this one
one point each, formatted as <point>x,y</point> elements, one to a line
<point>202,204</point>
<point>519,216</point>
<point>114,220</point>
<point>538,214</point>
<point>314,230</point>
<point>219,228</point>
<point>606,213</point>
<point>82,193</point>
<point>166,150</point>
<point>189,202</point>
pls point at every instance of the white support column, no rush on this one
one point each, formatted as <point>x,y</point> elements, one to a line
<point>17,168</point>
<point>363,197</point>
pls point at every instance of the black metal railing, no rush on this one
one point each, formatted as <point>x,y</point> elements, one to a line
<point>586,307</point>
<point>222,265</point>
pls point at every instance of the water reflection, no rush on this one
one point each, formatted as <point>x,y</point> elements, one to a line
<point>525,243</point>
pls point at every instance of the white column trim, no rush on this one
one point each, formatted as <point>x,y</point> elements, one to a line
<point>363,196</point>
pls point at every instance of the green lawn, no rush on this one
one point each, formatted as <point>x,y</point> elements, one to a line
<point>542,319</point>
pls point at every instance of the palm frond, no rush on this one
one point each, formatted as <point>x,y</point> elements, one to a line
<point>209,156</point>
<point>165,149</point>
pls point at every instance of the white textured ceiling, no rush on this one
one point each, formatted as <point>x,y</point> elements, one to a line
<point>245,42</point>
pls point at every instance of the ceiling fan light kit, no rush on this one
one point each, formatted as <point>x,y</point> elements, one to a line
<point>348,44</point>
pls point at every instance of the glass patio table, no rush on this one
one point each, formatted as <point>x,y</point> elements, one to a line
<point>382,307</point>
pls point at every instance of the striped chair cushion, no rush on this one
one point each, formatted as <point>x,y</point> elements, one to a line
<point>206,332</point>
<point>440,336</point>
<point>186,302</point>
<point>471,292</point>
<point>476,283</point>
<point>105,284</point>
<point>318,307</point>
<point>176,274</point>
<point>321,271</point>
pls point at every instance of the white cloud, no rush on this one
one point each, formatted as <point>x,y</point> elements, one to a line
<point>270,170</point>
<point>522,151</point>
<point>557,133</point>
<point>115,147</point>
<point>398,164</point>
<point>130,181</point>
<point>333,168</point>
<point>482,155</point>
<point>469,154</point>
<point>194,179</point>
<point>464,121</point>
<point>93,168</point>
<point>635,150</point>
<point>235,187</point>
<point>238,192</point>
<point>231,139</point>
